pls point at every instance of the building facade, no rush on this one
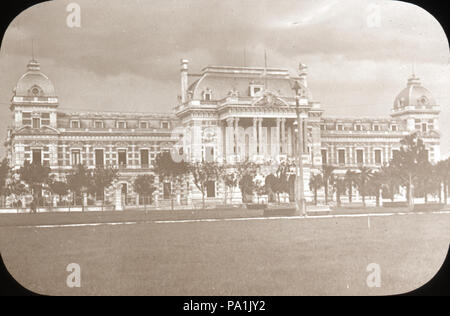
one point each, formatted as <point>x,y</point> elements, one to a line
<point>226,114</point>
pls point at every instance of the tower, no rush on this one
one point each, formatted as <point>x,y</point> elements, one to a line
<point>417,111</point>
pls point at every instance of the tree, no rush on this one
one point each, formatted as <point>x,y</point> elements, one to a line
<point>350,180</point>
<point>247,171</point>
<point>79,180</point>
<point>16,187</point>
<point>375,184</point>
<point>230,180</point>
<point>35,176</point>
<point>100,179</point>
<point>167,168</point>
<point>281,182</point>
<point>4,171</point>
<point>59,188</point>
<point>202,173</point>
<point>390,181</point>
<point>410,161</point>
<point>144,186</point>
<point>339,186</point>
<point>327,173</point>
<point>364,176</point>
<point>315,183</point>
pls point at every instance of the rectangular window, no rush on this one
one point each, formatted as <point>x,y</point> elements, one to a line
<point>360,156</point>
<point>394,128</point>
<point>322,127</point>
<point>424,127</point>
<point>26,122</point>
<point>324,156</point>
<point>122,156</point>
<point>98,124</point>
<point>376,128</point>
<point>357,127</point>
<point>165,125</point>
<point>143,125</point>
<point>45,122</point>
<point>340,127</point>
<point>144,158</point>
<point>36,123</point>
<point>75,124</point>
<point>378,156</point>
<point>121,124</point>
<point>99,159</point>
<point>37,156</point>
<point>45,115</point>
<point>76,157</point>
<point>341,156</point>
<point>26,115</point>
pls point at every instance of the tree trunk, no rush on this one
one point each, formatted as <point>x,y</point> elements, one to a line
<point>445,192</point>
<point>326,192</point>
<point>350,193</point>
<point>338,197</point>
<point>203,200</point>
<point>315,196</point>
<point>225,194</point>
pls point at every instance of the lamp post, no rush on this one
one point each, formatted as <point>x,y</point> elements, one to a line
<point>300,192</point>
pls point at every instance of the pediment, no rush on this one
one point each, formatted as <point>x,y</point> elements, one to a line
<point>269,99</point>
<point>44,130</point>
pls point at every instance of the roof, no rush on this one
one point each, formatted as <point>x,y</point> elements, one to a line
<point>34,82</point>
<point>414,95</point>
<point>220,80</point>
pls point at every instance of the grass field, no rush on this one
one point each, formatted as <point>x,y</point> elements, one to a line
<point>324,256</point>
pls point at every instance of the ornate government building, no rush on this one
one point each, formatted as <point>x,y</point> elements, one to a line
<point>229,114</point>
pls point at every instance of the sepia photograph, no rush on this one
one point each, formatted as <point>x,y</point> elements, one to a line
<point>224,149</point>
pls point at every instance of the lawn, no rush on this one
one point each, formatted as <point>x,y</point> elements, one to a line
<point>324,256</point>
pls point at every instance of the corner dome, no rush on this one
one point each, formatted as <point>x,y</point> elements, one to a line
<point>34,83</point>
<point>414,95</point>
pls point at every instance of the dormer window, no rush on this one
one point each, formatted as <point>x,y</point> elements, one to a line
<point>339,127</point>
<point>98,124</point>
<point>376,128</point>
<point>122,124</point>
<point>358,127</point>
<point>207,95</point>
<point>165,125</point>
<point>35,91</point>
<point>75,124</point>
<point>256,90</point>
<point>143,125</point>
<point>394,128</point>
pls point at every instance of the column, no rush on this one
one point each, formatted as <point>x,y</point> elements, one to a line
<point>283,136</point>
<point>255,137</point>
<point>236,135</point>
<point>278,142</point>
<point>229,138</point>
<point>260,138</point>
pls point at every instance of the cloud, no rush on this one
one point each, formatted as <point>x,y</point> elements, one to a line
<point>128,51</point>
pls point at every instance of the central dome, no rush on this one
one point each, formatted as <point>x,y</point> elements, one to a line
<point>34,83</point>
<point>414,95</point>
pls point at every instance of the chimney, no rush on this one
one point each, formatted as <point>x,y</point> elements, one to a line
<point>184,79</point>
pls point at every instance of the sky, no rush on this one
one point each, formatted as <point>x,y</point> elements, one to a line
<point>126,53</point>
